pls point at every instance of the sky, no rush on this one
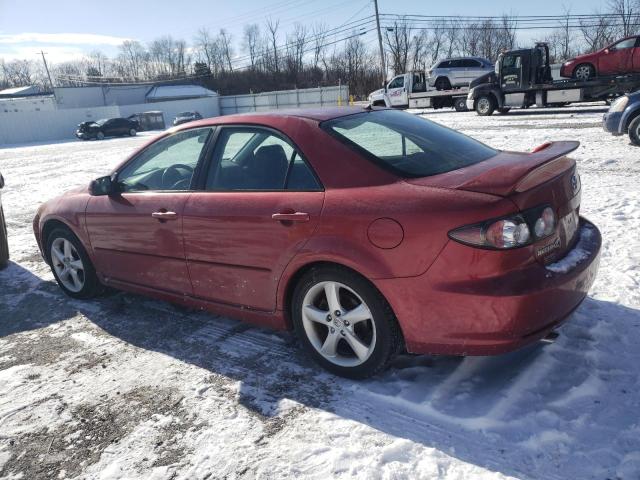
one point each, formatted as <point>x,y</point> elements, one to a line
<point>66,29</point>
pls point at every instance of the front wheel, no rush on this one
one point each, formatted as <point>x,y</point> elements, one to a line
<point>485,105</point>
<point>584,72</point>
<point>344,323</point>
<point>71,265</point>
<point>100,136</point>
<point>634,131</point>
<point>442,83</point>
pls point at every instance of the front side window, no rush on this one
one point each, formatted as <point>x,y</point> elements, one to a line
<point>628,43</point>
<point>409,146</point>
<point>247,158</point>
<point>167,164</point>
<point>397,82</point>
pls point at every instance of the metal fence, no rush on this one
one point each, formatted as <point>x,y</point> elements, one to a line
<point>308,97</point>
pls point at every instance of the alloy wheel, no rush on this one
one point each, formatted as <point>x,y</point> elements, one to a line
<point>338,323</point>
<point>583,72</point>
<point>484,105</point>
<point>67,264</point>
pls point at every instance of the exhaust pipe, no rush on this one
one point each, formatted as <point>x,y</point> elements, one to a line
<point>551,337</point>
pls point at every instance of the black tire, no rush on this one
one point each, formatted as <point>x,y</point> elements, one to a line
<point>442,83</point>
<point>91,285</point>
<point>485,105</point>
<point>634,131</point>
<point>133,132</point>
<point>379,103</point>
<point>99,136</point>
<point>584,72</point>
<point>4,243</point>
<point>503,110</point>
<point>460,104</point>
<point>388,338</point>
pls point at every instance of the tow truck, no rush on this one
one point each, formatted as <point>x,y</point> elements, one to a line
<point>411,90</point>
<point>523,78</point>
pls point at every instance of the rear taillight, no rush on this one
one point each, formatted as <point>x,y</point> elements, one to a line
<point>512,231</point>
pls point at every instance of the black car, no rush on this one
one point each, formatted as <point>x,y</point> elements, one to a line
<point>184,117</point>
<point>624,117</point>
<point>107,127</point>
<point>4,245</point>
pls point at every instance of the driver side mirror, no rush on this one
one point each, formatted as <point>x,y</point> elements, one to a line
<point>102,186</point>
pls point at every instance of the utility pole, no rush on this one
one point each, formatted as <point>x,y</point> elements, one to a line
<point>46,67</point>
<point>384,67</point>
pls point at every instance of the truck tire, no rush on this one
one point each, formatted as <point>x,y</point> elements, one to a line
<point>584,72</point>
<point>485,105</point>
<point>460,104</point>
<point>634,131</point>
<point>442,83</point>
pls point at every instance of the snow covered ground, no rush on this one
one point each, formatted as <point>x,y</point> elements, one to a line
<point>126,387</point>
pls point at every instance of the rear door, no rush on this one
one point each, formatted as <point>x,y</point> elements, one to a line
<point>259,204</point>
<point>136,235</point>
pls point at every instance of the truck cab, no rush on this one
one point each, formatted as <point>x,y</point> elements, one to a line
<point>399,90</point>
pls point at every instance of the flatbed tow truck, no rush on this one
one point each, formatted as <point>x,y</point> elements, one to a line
<point>523,79</point>
<point>411,90</point>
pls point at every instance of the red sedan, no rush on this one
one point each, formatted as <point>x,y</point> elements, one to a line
<point>368,232</point>
<point>621,57</point>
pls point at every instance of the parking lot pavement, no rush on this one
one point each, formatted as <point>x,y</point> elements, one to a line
<point>125,386</point>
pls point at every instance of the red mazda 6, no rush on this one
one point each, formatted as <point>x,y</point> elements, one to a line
<point>368,232</point>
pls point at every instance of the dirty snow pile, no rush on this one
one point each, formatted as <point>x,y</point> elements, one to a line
<point>128,387</point>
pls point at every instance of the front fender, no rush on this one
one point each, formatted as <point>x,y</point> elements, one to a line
<point>628,115</point>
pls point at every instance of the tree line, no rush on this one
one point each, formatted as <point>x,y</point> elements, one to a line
<point>266,58</point>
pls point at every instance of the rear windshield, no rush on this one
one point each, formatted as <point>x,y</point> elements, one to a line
<point>406,144</point>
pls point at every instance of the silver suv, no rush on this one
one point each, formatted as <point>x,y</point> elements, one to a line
<point>458,72</point>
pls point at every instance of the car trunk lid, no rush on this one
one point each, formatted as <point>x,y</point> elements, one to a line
<point>543,177</point>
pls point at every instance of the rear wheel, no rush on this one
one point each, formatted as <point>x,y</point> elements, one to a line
<point>71,265</point>
<point>4,244</point>
<point>443,83</point>
<point>100,136</point>
<point>584,72</point>
<point>485,105</point>
<point>634,131</point>
<point>460,104</point>
<point>132,132</point>
<point>344,323</point>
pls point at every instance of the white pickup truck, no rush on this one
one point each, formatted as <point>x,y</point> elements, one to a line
<point>411,90</point>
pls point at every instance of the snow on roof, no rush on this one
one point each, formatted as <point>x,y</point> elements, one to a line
<point>179,91</point>
<point>26,90</point>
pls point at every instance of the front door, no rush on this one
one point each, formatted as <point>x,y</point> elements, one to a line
<point>136,234</point>
<point>397,91</point>
<point>511,72</point>
<point>635,60</point>
<point>617,58</point>
<point>260,204</point>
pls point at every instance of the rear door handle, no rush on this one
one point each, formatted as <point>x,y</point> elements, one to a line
<point>164,216</point>
<point>291,217</point>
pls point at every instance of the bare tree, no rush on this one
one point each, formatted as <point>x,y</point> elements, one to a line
<point>251,42</point>
<point>132,56</point>
<point>398,39</point>
<point>226,49</point>
<point>320,37</point>
<point>597,32</point>
<point>628,14</point>
<point>273,40</point>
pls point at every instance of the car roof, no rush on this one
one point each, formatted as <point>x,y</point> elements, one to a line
<point>482,59</point>
<point>317,114</point>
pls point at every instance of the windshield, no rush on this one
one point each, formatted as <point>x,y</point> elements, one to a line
<point>406,144</point>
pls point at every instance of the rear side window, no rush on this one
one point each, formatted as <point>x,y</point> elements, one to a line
<point>444,64</point>
<point>407,145</point>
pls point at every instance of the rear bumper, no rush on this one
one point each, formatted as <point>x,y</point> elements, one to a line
<point>449,310</point>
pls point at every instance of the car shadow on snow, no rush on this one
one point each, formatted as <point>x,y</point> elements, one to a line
<point>567,410</point>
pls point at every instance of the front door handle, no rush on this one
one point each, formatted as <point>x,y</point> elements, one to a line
<point>164,216</point>
<point>291,217</point>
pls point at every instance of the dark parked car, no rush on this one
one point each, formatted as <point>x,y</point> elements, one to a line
<point>184,117</point>
<point>624,117</point>
<point>4,245</point>
<point>107,127</point>
<point>366,231</point>
<point>619,58</point>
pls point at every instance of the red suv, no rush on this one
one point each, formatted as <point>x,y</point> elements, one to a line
<point>621,57</point>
